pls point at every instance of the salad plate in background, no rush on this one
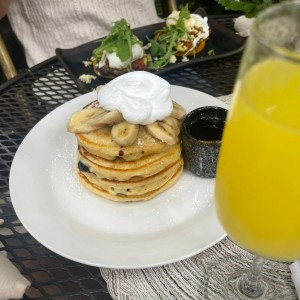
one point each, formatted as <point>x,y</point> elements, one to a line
<point>222,42</point>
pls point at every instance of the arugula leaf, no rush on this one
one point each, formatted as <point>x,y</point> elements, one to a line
<point>166,52</point>
<point>120,41</point>
<point>211,52</point>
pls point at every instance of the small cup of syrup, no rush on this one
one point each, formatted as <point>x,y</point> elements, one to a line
<point>202,131</point>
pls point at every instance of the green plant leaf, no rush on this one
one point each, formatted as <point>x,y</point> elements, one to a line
<point>249,7</point>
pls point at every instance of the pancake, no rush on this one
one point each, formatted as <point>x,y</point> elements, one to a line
<point>100,143</point>
<point>122,170</point>
<point>128,198</point>
<point>136,185</point>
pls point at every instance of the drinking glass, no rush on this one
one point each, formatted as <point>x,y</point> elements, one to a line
<point>257,190</point>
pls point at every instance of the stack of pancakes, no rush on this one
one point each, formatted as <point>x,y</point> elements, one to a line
<point>134,172</point>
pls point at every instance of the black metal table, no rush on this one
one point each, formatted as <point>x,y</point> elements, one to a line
<point>26,99</point>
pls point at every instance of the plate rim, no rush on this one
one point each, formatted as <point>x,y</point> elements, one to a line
<point>84,261</point>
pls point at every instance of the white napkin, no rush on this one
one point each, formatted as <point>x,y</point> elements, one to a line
<point>12,283</point>
<point>295,270</point>
<point>242,25</point>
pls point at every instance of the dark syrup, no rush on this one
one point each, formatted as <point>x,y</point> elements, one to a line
<point>207,130</point>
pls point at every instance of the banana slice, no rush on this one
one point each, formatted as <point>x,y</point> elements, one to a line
<point>110,117</point>
<point>124,133</point>
<point>166,130</point>
<point>80,121</point>
<point>90,119</point>
<point>178,111</point>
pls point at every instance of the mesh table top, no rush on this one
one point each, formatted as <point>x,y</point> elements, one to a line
<point>26,99</point>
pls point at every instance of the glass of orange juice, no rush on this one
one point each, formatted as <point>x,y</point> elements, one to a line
<point>257,190</point>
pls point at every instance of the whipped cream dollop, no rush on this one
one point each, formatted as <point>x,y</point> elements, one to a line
<point>140,96</point>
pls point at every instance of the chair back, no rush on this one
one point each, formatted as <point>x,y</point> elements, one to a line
<point>6,62</point>
<point>172,5</point>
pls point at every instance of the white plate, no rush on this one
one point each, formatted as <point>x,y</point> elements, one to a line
<point>71,221</point>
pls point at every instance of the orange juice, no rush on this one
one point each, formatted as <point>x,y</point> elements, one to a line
<point>258,178</point>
